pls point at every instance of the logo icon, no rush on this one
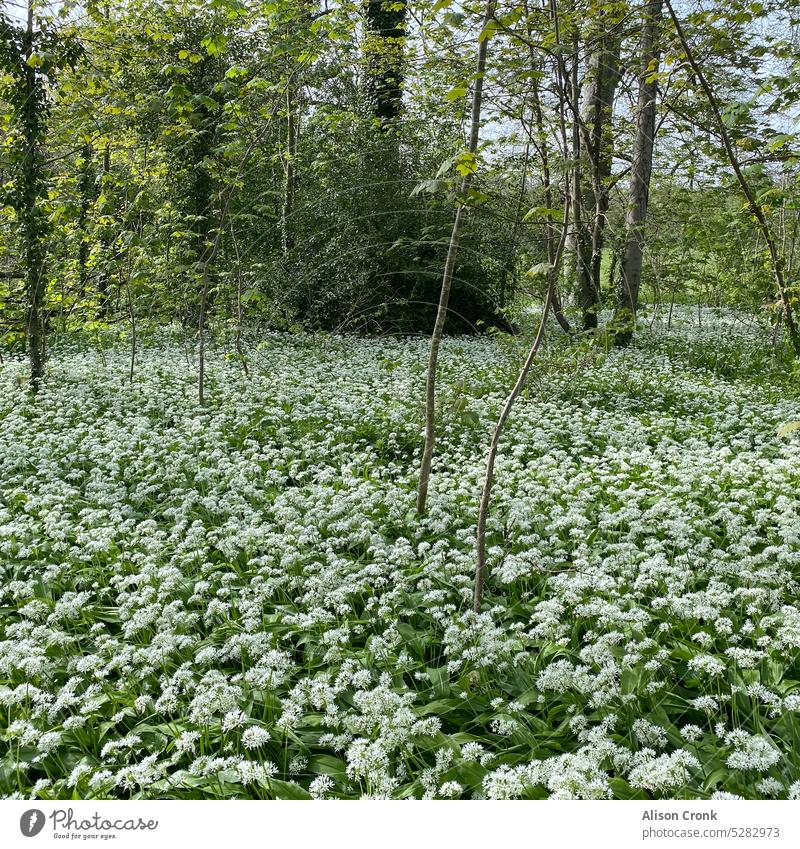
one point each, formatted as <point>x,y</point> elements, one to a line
<point>31,822</point>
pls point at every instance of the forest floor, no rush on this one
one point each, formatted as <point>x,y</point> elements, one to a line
<point>239,600</point>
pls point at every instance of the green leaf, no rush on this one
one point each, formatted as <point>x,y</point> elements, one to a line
<point>466,163</point>
<point>327,765</point>
<point>206,101</point>
<point>429,187</point>
<point>445,166</point>
<point>440,707</point>
<point>778,141</point>
<point>171,68</point>
<point>491,29</point>
<point>287,789</point>
<point>456,92</point>
<point>440,679</point>
<point>542,211</point>
<point>623,790</point>
<point>541,269</point>
<point>215,43</point>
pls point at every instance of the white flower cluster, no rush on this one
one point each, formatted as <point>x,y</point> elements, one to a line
<point>239,599</point>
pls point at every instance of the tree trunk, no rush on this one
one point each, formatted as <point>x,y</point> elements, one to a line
<point>385,65</point>
<point>385,35</point>
<point>549,239</point>
<point>631,270</point>
<point>449,268</point>
<point>572,93</point>
<point>599,89</point>
<point>32,219</point>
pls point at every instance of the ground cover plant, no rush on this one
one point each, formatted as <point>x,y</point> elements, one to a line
<point>239,600</point>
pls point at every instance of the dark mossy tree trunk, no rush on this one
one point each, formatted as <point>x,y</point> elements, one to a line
<point>30,60</point>
<point>631,267</point>
<point>32,185</point>
<point>384,199</point>
<point>599,90</point>
<point>385,55</point>
<point>291,130</point>
<point>202,186</point>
